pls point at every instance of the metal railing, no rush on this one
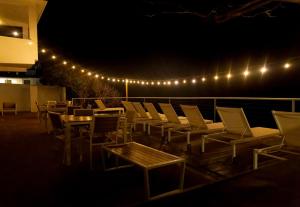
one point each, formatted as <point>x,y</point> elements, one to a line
<point>254,107</point>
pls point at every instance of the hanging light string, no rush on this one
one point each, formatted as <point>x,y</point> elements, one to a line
<point>262,69</point>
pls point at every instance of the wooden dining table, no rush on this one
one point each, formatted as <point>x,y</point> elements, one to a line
<point>70,121</point>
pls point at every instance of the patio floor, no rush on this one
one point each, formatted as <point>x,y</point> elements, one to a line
<point>32,174</point>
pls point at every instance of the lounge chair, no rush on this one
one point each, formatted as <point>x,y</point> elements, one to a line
<point>237,130</point>
<point>176,123</point>
<point>162,122</point>
<point>102,108</point>
<point>289,126</point>
<point>197,123</point>
<point>146,118</point>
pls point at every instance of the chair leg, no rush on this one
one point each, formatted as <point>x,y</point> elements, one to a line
<point>91,156</point>
<point>169,135</point>
<point>162,131</point>
<point>255,159</point>
<point>149,128</point>
<point>188,142</point>
<point>203,144</point>
<point>233,151</point>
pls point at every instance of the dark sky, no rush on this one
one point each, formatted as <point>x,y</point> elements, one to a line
<point>121,39</point>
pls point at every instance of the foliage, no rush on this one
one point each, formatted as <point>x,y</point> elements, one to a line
<point>80,83</point>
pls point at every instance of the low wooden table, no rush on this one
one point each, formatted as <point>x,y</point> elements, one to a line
<point>148,158</point>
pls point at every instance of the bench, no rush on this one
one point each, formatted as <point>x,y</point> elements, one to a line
<point>9,107</point>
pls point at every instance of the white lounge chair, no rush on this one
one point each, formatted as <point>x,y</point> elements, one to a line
<point>197,123</point>
<point>140,118</point>
<point>102,108</point>
<point>289,126</point>
<point>162,120</point>
<point>237,130</point>
<point>177,123</point>
<point>148,119</point>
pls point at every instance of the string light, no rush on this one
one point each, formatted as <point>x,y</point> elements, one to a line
<point>263,70</point>
<point>287,65</point>
<point>246,73</point>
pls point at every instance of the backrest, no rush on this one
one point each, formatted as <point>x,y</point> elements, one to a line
<point>83,112</point>
<point>130,116</point>
<point>140,109</point>
<point>194,116</point>
<point>170,113</point>
<point>100,104</point>
<point>51,102</point>
<point>105,123</point>
<point>152,110</point>
<point>9,105</point>
<point>289,126</point>
<point>61,105</point>
<point>55,120</point>
<point>128,106</point>
<point>37,106</point>
<point>71,109</point>
<point>235,121</point>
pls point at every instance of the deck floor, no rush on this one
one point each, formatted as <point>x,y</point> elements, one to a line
<point>32,174</point>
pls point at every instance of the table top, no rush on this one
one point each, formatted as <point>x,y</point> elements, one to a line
<point>72,118</point>
<point>142,155</point>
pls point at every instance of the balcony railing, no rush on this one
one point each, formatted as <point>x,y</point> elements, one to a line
<point>257,109</point>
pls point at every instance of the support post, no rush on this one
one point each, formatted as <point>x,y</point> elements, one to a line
<point>126,89</point>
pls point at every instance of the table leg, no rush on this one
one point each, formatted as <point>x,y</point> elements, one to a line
<point>146,183</point>
<point>181,178</point>
<point>68,144</point>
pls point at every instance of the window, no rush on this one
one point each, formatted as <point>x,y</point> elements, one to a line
<point>8,81</point>
<point>11,31</point>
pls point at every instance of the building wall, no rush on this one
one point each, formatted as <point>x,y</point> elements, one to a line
<point>19,94</point>
<point>18,54</point>
<point>26,95</point>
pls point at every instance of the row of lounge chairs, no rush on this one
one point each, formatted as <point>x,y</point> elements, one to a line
<point>233,130</point>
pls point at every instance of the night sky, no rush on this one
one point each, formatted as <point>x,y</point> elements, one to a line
<point>125,39</point>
